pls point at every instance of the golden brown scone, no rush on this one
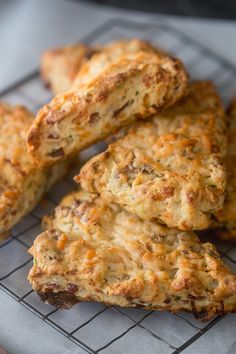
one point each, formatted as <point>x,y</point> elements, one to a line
<point>170,168</point>
<point>134,87</point>
<point>22,184</point>
<point>59,66</point>
<point>226,218</point>
<point>95,251</point>
<point>109,54</point>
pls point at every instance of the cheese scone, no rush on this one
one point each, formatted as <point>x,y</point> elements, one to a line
<point>109,54</point>
<point>133,87</point>
<point>170,168</point>
<point>93,251</point>
<point>226,217</point>
<point>60,66</point>
<point>22,184</point>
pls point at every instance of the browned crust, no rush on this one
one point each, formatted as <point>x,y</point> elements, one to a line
<point>62,300</point>
<point>65,300</point>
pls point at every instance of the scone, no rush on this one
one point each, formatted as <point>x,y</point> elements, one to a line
<point>60,66</point>
<point>109,53</point>
<point>132,88</point>
<point>226,217</point>
<point>22,184</point>
<point>93,251</point>
<point>168,169</point>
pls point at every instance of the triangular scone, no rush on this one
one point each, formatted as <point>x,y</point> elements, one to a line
<point>134,87</point>
<point>93,251</point>
<point>227,216</point>
<point>170,168</point>
<point>22,184</point>
<point>110,53</point>
<point>60,66</point>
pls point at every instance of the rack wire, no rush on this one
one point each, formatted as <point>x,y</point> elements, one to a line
<point>147,330</point>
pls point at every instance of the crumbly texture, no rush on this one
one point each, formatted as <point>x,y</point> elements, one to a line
<point>110,53</point>
<point>168,169</point>
<point>93,251</point>
<point>134,87</point>
<point>59,66</point>
<point>22,184</point>
<point>226,218</point>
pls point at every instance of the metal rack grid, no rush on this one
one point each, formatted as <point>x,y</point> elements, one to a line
<point>148,331</point>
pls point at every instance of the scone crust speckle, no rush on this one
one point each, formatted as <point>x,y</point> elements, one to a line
<point>93,251</point>
<point>134,87</point>
<point>169,169</point>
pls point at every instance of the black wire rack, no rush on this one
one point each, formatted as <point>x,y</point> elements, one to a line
<point>94,327</point>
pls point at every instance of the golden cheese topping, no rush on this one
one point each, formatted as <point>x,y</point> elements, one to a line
<point>226,217</point>
<point>93,251</point>
<point>170,168</point>
<point>60,66</point>
<point>133,87</point>
<point>22,184</point>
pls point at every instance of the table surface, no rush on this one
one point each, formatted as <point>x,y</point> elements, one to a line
<point>26,29</point>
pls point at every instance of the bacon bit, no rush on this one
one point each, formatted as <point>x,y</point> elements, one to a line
<point>61,242</point>
<point>119,110</point>
<point>54,116</point>
<point>53,136</point>
<point>93,117</point>
<point>191,196</point>
<point>52,286</point>
<point>102,95</point>
<point>147,80</point>
<point>90,254</point>
<point>202,315</point>
<point>57,152</point>
<point>168,191</point>
<point>72,288</point>
<point>167,300</point>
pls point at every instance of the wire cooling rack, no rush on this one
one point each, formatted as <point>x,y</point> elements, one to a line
<point>94,327</point>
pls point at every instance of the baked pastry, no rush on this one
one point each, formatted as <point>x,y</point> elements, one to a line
<point>60,66</point>
<point>170,168</point>
<point>110,53</point>
<point>93,251</point>
<point>22,184</point>
<point>226,217</point>
<point>134,87</point>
